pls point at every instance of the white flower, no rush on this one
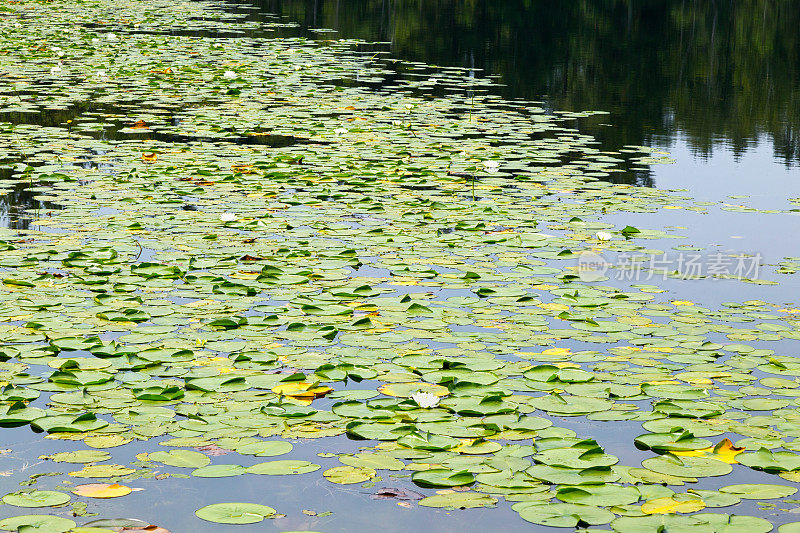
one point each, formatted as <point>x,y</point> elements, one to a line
<point>102,74</point>
<point>227,217</point>
<point>425,399</point>
<point>55,70</point>
<point>603,236</point>
<point>409,106</point>
<point>491,166</point>
<point>340,131</point>
<point>229,74</point>
<point>111,37</point>
<point>95,40</point>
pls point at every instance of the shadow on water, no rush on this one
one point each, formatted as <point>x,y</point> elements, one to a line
<point>70,117</point>
<point>257,139</point>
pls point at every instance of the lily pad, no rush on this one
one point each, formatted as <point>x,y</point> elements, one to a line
<point>35,522</point>
<point>101,490</point>
<point>347,475</point>
<point>219,471</point>
<point>235,513</point>
<point>687,466</point>
<point>283,467</point>
<point>759,491</point>
<point>459,500</point>
<point>562,514</point>
<point>36,498</point>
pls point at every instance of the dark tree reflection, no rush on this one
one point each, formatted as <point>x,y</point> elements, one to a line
<point>716,71</point>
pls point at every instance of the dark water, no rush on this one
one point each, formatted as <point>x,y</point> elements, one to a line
<point>711,74</point>
<point>717,84</point>
<point>714,83</point>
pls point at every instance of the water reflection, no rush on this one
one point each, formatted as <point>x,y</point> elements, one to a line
<point>19,206</point>
<point>720,73</point>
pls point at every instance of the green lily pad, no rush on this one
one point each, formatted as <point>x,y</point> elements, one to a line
<point>562,514</point>
<point>267,448</point>
<point>759,491</point>
<point>180,458</point>
<point>283,467</point>
<point>36,498</point>
<point>347,475</point>
<point>373,460</point>
<point>219,471</point>
<point>428,441</point>
<point>459,500</point>
<point>80,456</point>
<point>439,477</point>
<point>235,513</point>
<point>34,522</point>
<point>772,462</point>
<point>599,495</point>
<point>687,466</point>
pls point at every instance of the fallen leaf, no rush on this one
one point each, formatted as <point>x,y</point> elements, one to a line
<point>102,490</point>
<point>670,505</point>
<point>388,493</point>
<point>725,451</point>
<point>212,450</point>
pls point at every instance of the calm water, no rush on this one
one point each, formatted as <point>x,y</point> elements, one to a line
<point>717,84</point>
<point>705,75</point>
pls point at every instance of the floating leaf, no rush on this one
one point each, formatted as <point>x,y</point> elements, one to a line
<point>687,466</point>
<point>459,500</point>
<point>235,513</point>
<point>562,514</point>
<point>79,456</point>
<point>598,495</point>
<point>36,498</point>
<point>373,460</point>
<point>406,390</point>
<point>759,491</point>
<point>772,462</point>
<point>439,477</point>
<point>180,458</point>
<point>725,451</point>
<point>427,441</point>
<point>219,471</point>
<point>301,390</point>
<point>102,471</point>
<point>267,448</point>
<point>283,467</point>
<point>37,522</point>
<point>678,503</point>
<point>101,490</point>
<point>346,475</point>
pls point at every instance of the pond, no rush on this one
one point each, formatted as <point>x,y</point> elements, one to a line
<point>454,266</point>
